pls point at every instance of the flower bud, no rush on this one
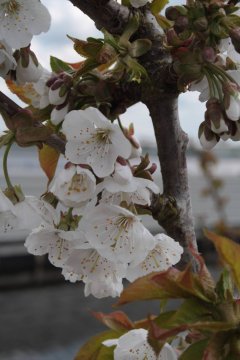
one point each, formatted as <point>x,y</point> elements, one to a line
<point>201,24</point>
<point>232,101</point>
<point>214,117</point>
<point>235,37</point>
<point>58,113</point>
<point>28,68</point>
<point>235,130</point>
<point>207,137</point>
<point>181,24</point>
<point>209,54</point>
<point>172,13</point>
<point>57,93</point>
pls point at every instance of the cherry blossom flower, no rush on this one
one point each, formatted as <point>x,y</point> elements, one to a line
<point>24,215</point>
<point>118,234</point>
<point>74,186</point>
<point>134,346</point>
<point>8,218</point>
<point>21,19</point>
<point>102,277</point>
<point>93,140</point>
<point>57,243</point>
<point>7,61</point>
<point>123,186</point>
<point>166,253</point>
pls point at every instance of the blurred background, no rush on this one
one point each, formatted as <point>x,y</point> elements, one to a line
<point>42,316</point>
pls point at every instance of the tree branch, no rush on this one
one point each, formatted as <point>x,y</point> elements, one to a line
<point>172,209</point>
<point>108,14</point>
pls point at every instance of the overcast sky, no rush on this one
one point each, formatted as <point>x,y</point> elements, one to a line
<point>66,19</point>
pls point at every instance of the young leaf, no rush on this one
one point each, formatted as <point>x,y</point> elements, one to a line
<point>157,6</point>
<point>92,349</point>
<point>48,158</point>
<point>195,351</point>
<point>229,253</point>
<point>169,284</point>
<point>117,320</point>
<point>192,310</point>
<point>58,65</point>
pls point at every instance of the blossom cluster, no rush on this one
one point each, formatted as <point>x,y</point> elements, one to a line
<point>206,56</point>
<point>95,234</point>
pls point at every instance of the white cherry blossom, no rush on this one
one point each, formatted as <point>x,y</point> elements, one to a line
<point>102,277</point>
<point>21,19</point>
<point>57,243</point>
<point>118,234</point>
<point>74,186</point>
<point>8,217</point>
<point>134,346</point>
<point>24,215</point>
<point>166,253</point>
<point>123,186</point>
<point>93,140</point>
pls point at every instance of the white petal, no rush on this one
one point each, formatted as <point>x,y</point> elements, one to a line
<point>167,353</point>
<point>118,234</point>
<point>166,253</point>
<point>134,346</point>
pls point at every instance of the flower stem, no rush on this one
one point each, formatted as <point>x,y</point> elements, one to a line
<point>5,167</point>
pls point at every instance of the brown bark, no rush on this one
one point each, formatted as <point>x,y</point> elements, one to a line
<point>173,208</point>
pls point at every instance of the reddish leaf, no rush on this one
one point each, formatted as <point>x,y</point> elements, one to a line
<point>48,158</point>
<point>117,320</point>
<point>169,284</point>
<point>229,253</point>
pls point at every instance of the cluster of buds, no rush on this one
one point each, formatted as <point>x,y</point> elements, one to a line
<point>218,124</point>
<point>59,92</point>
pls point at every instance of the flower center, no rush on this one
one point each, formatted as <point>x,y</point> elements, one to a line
<point>102,136</point>
<point>78,184</point>
<point>124,222</point>
<point>11,7</point>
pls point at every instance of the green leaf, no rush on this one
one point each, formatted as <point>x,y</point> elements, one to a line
<point>140,47</point>
<point>192,310</point>
<point>6,138</point>
<point>126,2</point>
<point>130,29</point>
<point>58,65</point>
<point>157,6</point>
<point>163,22</point>
<point>229,253</point>
<point>225,286</point>
<point>93,348</point>
<point>195,351</point>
